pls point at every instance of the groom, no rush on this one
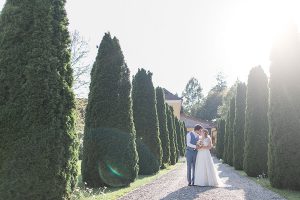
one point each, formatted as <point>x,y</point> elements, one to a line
<point>191,152</point>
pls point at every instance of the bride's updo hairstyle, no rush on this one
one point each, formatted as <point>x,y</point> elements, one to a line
<point>205,131</point>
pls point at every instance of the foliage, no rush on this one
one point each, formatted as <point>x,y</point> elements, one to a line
<point>183,134</point>
<point>228,94</point>
<point>239,126</point>
<point>109,106</point>
<point>171,129</point>
<point>220,138</point>
<point>221,83</point>
<point>256,126</point>
<point>80,104</point>
<point>284,154</point>
<point>230,132</point>
<point>192,95</point>
<point>163,129</point>
<point>227,129</point>
<point>148,163</point>
<point>111,162</point>
<point>79,54</point>
<point>175,134</point>
<point>36,102</point>
<point>179,137</point>
<point>145,113</point>
<point>209,108</point>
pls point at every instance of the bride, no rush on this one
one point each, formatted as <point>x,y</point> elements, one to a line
<point>205,172</point>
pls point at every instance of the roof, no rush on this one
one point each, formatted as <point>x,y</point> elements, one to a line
<point>170,96</point>
<point>190,122</point>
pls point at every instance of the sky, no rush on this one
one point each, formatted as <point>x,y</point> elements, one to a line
<point>180,39</point>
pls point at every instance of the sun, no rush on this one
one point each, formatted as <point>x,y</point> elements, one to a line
<point>251,29</point>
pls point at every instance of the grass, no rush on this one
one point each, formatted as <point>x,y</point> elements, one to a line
<point>82,193</point>
<point>264,182</point>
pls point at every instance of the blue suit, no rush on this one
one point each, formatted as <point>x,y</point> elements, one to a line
<point>191,155</point>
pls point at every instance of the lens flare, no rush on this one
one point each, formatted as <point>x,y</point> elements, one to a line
<point>114,171</point>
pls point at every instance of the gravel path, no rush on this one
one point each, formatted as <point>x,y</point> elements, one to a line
<point>173,185</point>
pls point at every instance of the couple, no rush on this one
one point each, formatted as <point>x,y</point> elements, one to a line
<point>200,166</point>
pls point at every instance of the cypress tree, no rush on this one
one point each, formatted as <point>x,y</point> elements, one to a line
<point>230,133</point>
<point>226,136</point>
<point>220,138</point>
<point>145,113</point>
<point>62,42</point>
<point>179,137</point>
<point>182,132</point>
<point>125,115</point>
<point>173,152</point>
<point>163,129</point>
<point>148,163</point>
<point>175,134</point>
<point>184,135</point>
<point>256,123</point>
<point>36,103</point>
<point>109,152</point>
<point>284,109</point>
<point>239,126</point>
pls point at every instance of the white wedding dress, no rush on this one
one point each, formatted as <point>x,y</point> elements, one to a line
<point>205,172</point>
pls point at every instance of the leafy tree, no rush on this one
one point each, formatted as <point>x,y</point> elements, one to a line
<point>228,94</point>
<point>209,107</point>
<point>221,83</point>
<point>36,102</point>
<point>284,154</point>
<point>220,138</point>
<point>163,128</point>
<point>192,95</point>
<point>171,129</point>
<point>109,121</point>
<point>256,123</point>
<point>145,113</point>
<point>239,126</point>
<point>79,54</point>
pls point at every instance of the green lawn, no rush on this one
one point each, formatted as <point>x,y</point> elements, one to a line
<point>288,194</point>
<point>114,193</point>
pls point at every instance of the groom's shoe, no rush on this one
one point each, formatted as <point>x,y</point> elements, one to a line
<point>189,184</point>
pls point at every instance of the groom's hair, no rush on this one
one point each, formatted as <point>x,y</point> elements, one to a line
<point>198,127</point>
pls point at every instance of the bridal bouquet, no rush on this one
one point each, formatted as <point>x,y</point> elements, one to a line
<point>199,143</point>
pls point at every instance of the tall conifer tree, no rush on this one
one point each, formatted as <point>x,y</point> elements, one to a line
<point>231,130</point>
<point>239,126</point>
<point>145,113</point>
<point>220,138</point>
<point>179,137</point>
<point>284,154</point>
<point>175,134</point>
<point>256,126</point>
<point>226,136</point>
<point>109,150</point>
<point>163,129</point>
<point>173,152</point>
<point>36,102</point>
